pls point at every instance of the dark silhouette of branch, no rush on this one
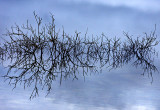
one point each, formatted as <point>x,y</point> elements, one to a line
<point>39,55</point>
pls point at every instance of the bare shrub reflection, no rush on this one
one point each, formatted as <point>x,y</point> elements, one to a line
<point>39,55</point>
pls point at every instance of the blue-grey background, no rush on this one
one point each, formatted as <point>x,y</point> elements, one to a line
<point>121,89</point>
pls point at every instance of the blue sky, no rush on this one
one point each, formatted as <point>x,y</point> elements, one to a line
<point>121,89</point>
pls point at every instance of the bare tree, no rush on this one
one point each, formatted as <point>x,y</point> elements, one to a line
<point>39,54</point>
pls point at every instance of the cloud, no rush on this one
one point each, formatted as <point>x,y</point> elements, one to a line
<point>143,5</point>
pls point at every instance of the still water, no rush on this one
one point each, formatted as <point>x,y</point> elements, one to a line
<point>121,89</point>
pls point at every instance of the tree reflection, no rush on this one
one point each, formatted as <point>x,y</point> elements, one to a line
<point>39,55</point>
